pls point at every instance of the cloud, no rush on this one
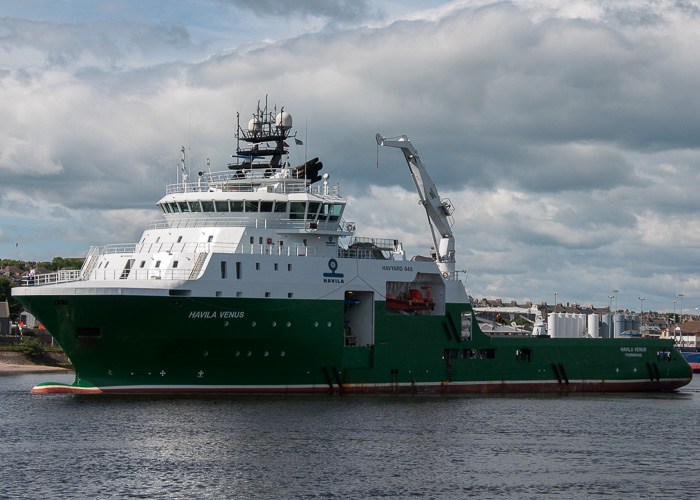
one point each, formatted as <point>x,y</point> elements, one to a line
<point>565,134</point>
<point>335,11</point>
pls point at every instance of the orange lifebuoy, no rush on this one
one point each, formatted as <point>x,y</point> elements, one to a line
<point>269,241</point>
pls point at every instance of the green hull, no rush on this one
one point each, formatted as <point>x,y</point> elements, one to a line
<point>195,345</point>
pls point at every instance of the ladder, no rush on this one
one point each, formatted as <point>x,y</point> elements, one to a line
<point>91,262</point>
<point>196,269</point>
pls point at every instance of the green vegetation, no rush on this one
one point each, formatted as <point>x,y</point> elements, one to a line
<point>31,347</point>
<point>6,295</point>
<point>61,263</point>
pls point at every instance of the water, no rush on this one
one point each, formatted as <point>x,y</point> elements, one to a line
<point>535,446</point>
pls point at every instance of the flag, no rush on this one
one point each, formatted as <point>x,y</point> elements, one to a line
<point>298,142</point>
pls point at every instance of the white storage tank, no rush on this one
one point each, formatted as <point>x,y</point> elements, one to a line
<point>593,325</point>
<point>619,320</point>
<point>606,326</point>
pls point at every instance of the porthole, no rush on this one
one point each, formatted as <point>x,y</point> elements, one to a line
<point>238,353</point>
<point>225,323</point>
<point>250,353</point>
<point>274,323</point>
<point>329,324</point>
<point>315,323</point>
<point>253,323</point>
<point>266,354</point>
<point>289,323</point>
<point>282,354</point>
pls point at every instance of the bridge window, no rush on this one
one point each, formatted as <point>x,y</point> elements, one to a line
<point>297,209</point>
<point>173,207</point>
<point>195,207</point>
<point>183,206</point>
<point>335,212</point>
<point>266,206</point>
<point>280,207</point>
<point>251,206</point>
<point>236,206</point>
<point>313,209</point>
<point>221,206</point>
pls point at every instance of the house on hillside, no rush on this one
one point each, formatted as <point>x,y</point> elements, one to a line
<point>4,318</point>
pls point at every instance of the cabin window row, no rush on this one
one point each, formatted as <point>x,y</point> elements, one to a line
<point>295,209</point>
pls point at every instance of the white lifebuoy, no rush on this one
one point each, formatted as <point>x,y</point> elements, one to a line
<point>445,275</point>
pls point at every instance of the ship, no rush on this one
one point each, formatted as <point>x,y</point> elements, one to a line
<point>692,356</point>
<point>253,281</point>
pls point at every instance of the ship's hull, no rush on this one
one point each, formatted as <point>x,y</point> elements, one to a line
<point>160,344</point>
<point>693,359</point>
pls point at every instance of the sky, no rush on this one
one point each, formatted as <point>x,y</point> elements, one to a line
<point>566,134</point>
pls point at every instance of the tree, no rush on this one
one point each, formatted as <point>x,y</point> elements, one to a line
<point>6,286</point>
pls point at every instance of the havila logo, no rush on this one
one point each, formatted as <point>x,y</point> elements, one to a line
<point>333,277</point>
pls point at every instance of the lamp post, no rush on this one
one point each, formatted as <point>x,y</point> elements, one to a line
<point>674,320</point>
<point>641,307</point>
<point>681,332</point>
<point>610,306</point>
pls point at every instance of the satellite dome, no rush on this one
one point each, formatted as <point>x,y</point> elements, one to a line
<point>284,120</point>
<point>254,125</point>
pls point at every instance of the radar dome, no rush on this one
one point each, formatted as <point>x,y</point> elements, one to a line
<point>284,120</point>
<point>254,125</point>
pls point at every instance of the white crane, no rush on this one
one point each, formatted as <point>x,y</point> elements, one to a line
<point>439,211</point>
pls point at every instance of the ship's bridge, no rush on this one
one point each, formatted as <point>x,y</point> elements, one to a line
<point>253,201</point>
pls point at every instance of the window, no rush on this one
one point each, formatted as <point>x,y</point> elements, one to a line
<point>236,206</point>
<point>195,207</point>
<point>183,206</point>
<point>289,267</point>
<point>297,209</point>
<point>175,263</point>
<point>325,210</point>
<point>165,208</point>
<point>157,264</point>
<point>211,238</point>
<point>266,206</point>
<point>335,212</point>
<point>207,206</point>
<point>238,270</point>
<point>257,266</point>
<point>251,206</point>
<point>179,239</point>
<point>252,240</point>
<point>223,270</point>
<point>143,263</point>
<point>173,207</point>
<point>260,240</point>
<point>221,206</point>
<point>267,294</point>
<point>280,207</point>
<point>313,209</point>
<point>276,266</point>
